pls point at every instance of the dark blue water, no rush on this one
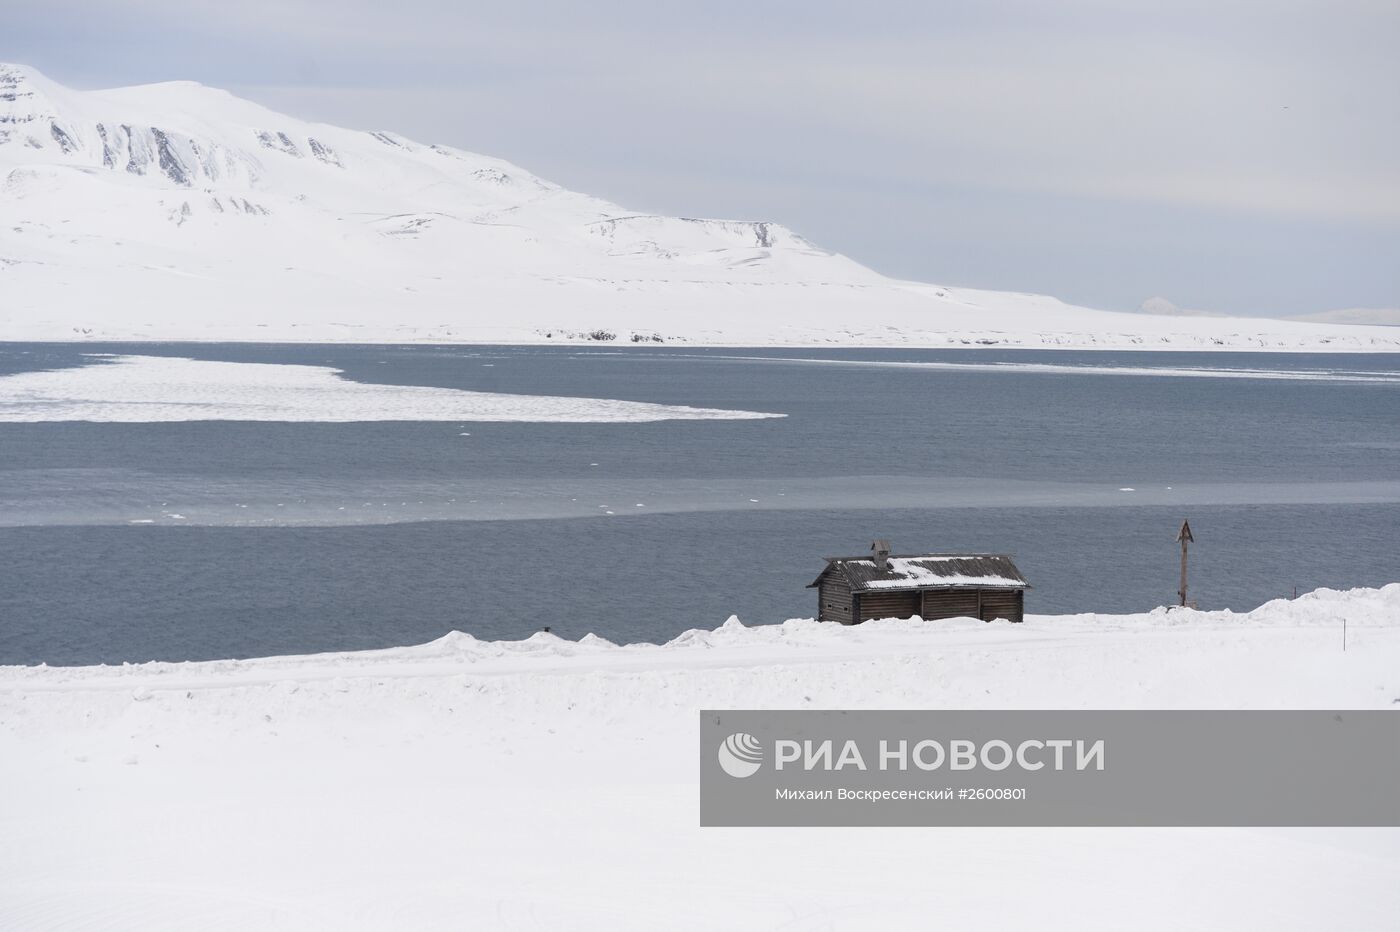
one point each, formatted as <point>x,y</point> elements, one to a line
<point>1286,482</point>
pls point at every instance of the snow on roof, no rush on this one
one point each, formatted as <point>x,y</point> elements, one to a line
<point>915,571</point>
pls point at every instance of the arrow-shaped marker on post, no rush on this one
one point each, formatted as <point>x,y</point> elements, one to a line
<point>1184,535</point>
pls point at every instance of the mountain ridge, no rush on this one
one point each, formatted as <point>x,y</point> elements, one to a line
<point>180,211</point>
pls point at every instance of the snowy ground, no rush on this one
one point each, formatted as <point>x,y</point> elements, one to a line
<point>545,784</point>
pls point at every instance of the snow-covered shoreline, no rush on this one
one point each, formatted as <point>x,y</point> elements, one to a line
<point>551,783</point>
<point>754,645</point>
<point>1349,341</point>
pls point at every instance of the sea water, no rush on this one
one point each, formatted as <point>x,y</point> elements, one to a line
<point>206,539</point>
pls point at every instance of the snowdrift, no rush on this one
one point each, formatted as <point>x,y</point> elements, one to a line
<point>544,783</point>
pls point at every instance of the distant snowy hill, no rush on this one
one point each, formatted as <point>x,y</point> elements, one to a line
<point>1371,316</point>
<point>177,211</point>
<point>1160,305</point>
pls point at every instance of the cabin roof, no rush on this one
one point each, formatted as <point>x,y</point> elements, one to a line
<point>927,571</point>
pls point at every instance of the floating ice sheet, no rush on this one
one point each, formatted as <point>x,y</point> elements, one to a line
<point>1382,376</point>
<point>145,389</point>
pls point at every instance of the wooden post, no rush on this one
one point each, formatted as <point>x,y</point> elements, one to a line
<point>1184,535</point>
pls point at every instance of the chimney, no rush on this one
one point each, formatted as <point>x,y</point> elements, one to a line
<point>881,551</point>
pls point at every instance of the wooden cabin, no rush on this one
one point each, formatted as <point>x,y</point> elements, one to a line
<point>929,585</point>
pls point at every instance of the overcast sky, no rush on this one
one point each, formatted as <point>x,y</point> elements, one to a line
<point>1225,154</point>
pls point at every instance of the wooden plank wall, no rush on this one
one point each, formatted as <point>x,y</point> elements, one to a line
<point>876,604</point>
<point>1003,603</point>
<point>834,599</point>
<point>835,602</point>
<point>987,604</point>
<point>951,603</point>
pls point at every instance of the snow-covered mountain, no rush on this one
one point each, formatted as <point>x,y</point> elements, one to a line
<point>178,211</point>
